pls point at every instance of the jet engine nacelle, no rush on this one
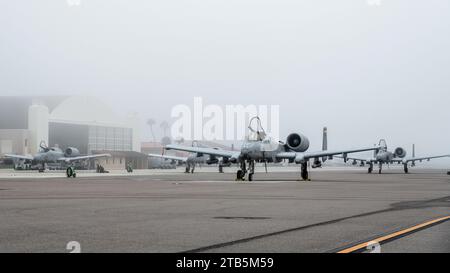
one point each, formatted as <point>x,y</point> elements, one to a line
<point>400,152</point>
<point>297,142</point>
<point>70,152</point>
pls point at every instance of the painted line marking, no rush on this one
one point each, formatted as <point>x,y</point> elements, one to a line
<point>392,236</point>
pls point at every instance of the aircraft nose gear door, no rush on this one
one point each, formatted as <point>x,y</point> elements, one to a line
<point>251,169</point>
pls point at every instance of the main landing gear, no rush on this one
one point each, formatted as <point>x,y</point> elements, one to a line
<point>240,174</point>
<point>189,169</point>
<point>380,168</point>
<point>70,172</point>
<point>405,168</point>
<point>221,165</point>
<point>304,172</point>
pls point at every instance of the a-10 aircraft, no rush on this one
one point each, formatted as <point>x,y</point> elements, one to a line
<point>259,148</point>
<point>194,159</point>
<point>384,156</point>
<point>54,155</point>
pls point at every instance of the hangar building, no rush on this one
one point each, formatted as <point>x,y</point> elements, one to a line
<point>83,122</point>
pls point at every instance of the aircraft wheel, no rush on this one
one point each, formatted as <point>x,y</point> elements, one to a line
<point>69,172</point>
<point>239,175</point>
<point>304,172</point>
<point>250,177</point>
<point>379,172</point>
<point>305,176</point>
<point>74,175</point>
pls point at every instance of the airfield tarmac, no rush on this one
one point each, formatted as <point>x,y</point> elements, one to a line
<point>169,211</point>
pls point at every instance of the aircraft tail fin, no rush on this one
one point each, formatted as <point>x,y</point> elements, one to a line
<point>324,142</point>
<point>375,152</point>
<point>414,150</point>
<point>325,139</point>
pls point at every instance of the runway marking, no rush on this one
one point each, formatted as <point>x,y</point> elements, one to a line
<point>396,235</point>
<point>329,222</point>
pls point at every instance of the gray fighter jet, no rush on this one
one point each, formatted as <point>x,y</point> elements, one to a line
<point>54,155</point>
<point>259,148</point>
<point>194,159</point>
<point>384,156</point>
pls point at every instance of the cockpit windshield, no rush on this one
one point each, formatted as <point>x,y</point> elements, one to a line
<point>383,144</point>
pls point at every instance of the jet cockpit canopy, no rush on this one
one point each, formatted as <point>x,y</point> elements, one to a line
<point>256,133</point>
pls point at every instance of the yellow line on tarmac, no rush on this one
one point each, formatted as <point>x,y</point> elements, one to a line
<point>393,235</point>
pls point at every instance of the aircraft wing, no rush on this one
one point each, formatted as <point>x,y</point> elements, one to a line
<point>356,159</point>
<point>411,159</point>
<point>83,157</point>
<point>177,158</point>
<point>299,157</point>
<point>208,151</point>
<point>23,157</point>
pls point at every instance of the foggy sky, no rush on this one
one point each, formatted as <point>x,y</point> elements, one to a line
<point>366,72</point>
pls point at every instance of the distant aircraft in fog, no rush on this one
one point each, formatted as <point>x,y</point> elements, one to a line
<point>54,155</point>
<point>258,148</point>
<point>383,156</point>
<point>193,159</point>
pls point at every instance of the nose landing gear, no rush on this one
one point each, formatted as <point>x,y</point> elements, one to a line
<point>304,172</point>
<point>240,175</point>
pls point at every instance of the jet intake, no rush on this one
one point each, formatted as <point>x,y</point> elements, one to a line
<point>297,142</point>
<point>71,152</point>
<point>400,152</point>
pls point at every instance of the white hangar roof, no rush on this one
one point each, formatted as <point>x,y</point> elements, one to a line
<point>86,110</point>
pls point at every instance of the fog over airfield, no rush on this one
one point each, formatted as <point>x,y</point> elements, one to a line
<point>366,71</point>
